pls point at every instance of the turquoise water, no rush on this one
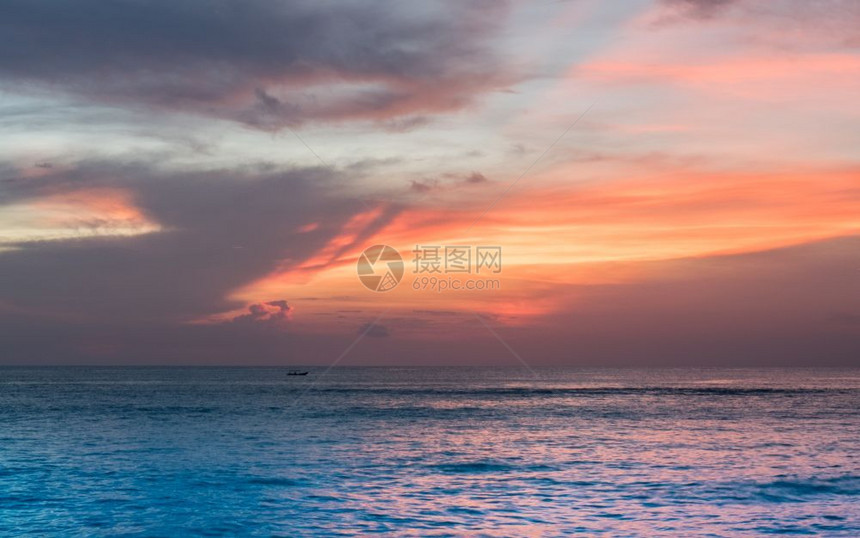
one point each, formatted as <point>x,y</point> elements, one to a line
<point>447,452</point>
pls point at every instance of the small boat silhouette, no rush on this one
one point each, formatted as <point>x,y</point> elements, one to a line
<point>297,372</point>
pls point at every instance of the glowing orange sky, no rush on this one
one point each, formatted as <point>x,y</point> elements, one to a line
<point>553,236</point>
<point>600,145</point>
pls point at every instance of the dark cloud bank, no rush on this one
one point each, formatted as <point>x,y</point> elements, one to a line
<point>130,298</point>
<point>259,62</point>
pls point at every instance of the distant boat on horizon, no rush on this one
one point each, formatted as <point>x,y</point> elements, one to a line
<point>297,372</point>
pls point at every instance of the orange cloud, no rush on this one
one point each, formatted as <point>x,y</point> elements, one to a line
<point>784,76</point>
<point>557,236</point>
<point>77,214</point>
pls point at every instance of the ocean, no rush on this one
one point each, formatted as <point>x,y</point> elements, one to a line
<point>429,452</point>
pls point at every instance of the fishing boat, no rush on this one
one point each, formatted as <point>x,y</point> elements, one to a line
<point>297,372</point>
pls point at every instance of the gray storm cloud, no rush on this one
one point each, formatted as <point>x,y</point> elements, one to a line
<point>220,230</point>
<point>264,63</point>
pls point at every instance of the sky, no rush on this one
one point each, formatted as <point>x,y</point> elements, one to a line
<point>668,182</point>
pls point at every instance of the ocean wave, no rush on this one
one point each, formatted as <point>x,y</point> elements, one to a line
<point>788,490</point>
<point>585,391</point>
<point>273,481</point>
<point>473,467</point>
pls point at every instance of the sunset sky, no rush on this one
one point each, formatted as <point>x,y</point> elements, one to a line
<point>671,182</point>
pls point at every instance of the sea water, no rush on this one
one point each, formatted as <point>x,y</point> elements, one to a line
<point>437,452</point>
